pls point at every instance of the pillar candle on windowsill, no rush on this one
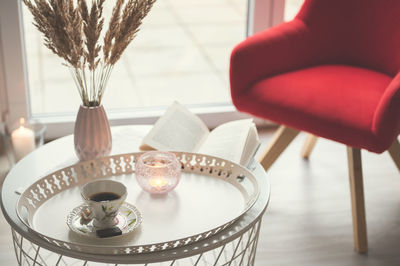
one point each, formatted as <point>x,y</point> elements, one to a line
<point>23,140</point>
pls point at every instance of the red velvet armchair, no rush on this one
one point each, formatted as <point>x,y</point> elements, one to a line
<point>333,71</point>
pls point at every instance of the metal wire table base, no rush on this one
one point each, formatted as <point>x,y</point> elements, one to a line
<point>240,251</point>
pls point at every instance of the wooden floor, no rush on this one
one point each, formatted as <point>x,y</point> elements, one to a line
<point>7,256</point>
<point>308,221</point>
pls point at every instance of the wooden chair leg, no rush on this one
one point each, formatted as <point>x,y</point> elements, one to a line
<point>357,200</point>
<point>308,145</point>
<point>394,152</point>
<point>282,138</point>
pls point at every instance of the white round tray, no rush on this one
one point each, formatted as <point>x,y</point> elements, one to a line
<point>212,194</point>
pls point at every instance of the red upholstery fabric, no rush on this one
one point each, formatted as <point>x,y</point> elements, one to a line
<point>338,108</point>
<point>332,71</point>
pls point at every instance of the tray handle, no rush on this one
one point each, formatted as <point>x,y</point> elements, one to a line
<point>24,211</point>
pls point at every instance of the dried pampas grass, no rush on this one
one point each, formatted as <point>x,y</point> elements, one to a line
<point>72,30</point>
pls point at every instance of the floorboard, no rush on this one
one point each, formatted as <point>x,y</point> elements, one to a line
<point>309,222</point>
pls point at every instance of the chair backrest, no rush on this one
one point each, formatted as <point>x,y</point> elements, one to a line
<point>357,32</point>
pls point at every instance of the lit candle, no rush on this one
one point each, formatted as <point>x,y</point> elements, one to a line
<point>158,183</point>
<point>23,140</point>
<point>158,172</point>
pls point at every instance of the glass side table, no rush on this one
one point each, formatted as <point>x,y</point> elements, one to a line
<point>236,245</point>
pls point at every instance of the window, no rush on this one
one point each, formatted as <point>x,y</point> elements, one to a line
<point>181,52</point>
<point>292,7</point>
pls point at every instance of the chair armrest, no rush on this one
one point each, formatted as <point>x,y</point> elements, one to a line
<point>286,47</point>
<point>386,121</point>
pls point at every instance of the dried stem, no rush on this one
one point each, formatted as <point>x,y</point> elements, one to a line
<point>73,32</point>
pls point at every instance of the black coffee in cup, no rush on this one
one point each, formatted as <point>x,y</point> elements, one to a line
<point>104,199</point>
<point>104,196</point>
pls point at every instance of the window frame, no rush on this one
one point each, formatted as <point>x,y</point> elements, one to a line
<point>14,89</point>
<point>13,61</point>
<point>259,20</point>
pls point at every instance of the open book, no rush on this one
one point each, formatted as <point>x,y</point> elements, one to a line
<point>180,130</point>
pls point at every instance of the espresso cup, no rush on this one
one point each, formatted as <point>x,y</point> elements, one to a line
<point>104,198</point>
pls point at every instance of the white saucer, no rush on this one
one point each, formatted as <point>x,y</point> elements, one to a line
<point>128,219</point>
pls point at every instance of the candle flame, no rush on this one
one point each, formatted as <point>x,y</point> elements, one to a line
<point>157,183</point>
<point>22,121</point>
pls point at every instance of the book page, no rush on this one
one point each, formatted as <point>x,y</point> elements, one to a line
<point>228,140</point>
<point>177,130</point>
<point>251,146</point>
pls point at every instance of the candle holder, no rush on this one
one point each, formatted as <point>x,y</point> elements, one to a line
<point>158,172</point>
<point>25,136</point>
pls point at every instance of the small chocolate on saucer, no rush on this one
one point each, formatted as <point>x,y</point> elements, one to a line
<point>108,232</point>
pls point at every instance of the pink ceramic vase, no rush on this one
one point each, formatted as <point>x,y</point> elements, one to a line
<point>92,135</point>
